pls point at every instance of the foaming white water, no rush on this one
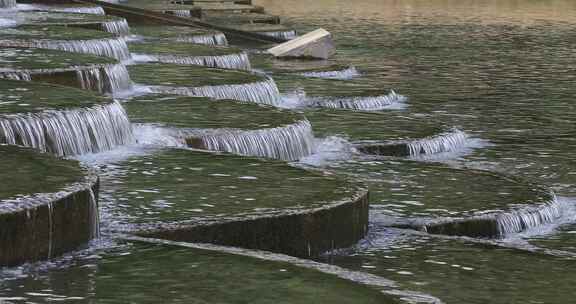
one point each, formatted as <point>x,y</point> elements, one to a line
<point>238,61</point>
<point>153,135</point>
<point>349,73</point>
<point>290,142</point>
<point>264,92</point>
<point>361,103</point>
<point>19,75</point>
<point>286,35</point>
<point>450,157</point>
<point>7,22</point>
<point>179,13</point>
<point>113,78</point>
<point>113,47</point>
<point>328,150</point>
<point>211,39</point>
<point>92,10</point>
<point>452,140</point>
<point>69,132</point>
<point>119,27</point>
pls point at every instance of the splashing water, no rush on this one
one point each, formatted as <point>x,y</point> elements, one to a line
<point>214,39</point>
<point>69,132</point>
<point>232,61</point>
<point>367,103</point>
<point>113,78</point>
<point>114,47</point>
<point>349,73</point>
<point>445,142</point>
<point>286,35</point>
<point>264,92</point>
<point>179,13</point>
<point>290,142</point>
<point>7,3</point>
<point>16,75</point>
<point>329,149</point>
<point>7,23</point>
<point>119,27</point>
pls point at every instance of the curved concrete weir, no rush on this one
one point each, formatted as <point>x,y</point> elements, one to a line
<point>65,8</point>
<point>184,53</point>
<point>223,199</point>
<point>48,206</point>
<point>60,120</point>
<point>66,39</point>
<point>182,34</point>
<point>111,24</point>
<point>245,129</point>
<point>207,82</point>
<point>100,74</point>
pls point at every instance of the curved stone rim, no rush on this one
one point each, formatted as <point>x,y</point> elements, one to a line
<point>70,216</point>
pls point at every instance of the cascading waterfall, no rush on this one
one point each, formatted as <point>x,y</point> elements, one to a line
<point>367,103</point>
<point>290,142</point>
<point>111,78</point>
<point>69,132</point>
<point>232,61</point>
<point>348,73</point>
<point>8,3</point>
<point>19,75</point>
<point>119,27</point>
<point>113,47</point>
<point>94,216</point>
<point>264,92</point>
<point>530,217</point>
<point>214,39</point>
<point>286,35</point>
<point>445,142</point>
<point>179,13</point>
<point>92,10</point>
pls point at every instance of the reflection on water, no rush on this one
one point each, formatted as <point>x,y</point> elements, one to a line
<point>501,70</point>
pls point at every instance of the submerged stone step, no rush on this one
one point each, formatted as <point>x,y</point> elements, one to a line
<point>189,275</point>
<point>68,39</point>
<point>111,24</point>
<point>245,129</point>
<point>100,74</point>
<point>463,271</point>
<point>424,196</point>
<point>48,205</point>
<point>181,34</point>
<point>272,30</point>
<point>187,54</point>
<point>224,199</point>
<point>60,120</point>
<point>206,82</point>
<point>239,18</point>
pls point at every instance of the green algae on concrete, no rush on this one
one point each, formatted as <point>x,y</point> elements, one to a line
<point>47,205</point>
<point>192,196</point>
<point>139,273</point>
<point>45,60</point>
<point>188,76</point>
<point>204,113</point>
<point>51,32</point>
<point>29,97</point>
<point>181,49</point>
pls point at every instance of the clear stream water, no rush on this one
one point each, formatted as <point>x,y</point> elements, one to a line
<point>501,72</point>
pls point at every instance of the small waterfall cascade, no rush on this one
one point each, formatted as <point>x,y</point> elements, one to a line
<point>530,217</point>
<point>50,228</point>
<point>94,216</point>
<point>360,103</point>
<point>290,142</point>
<point>264,92</point>
<point>286,35</point>
<point>348,73</point>
<point>113,47</point>
<point>111,78</point>
<point>91,10</point>
<point>17,75</point>
<point>69,132</point>
<point>214,39</point>
<point>445,142</point>
<point>8,3</point>
<point>179,13</point>
<point>238,61</point>
<point>118,27</point>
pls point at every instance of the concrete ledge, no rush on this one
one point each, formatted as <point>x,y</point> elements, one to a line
<point>301,234</point>
<point>317,44</point>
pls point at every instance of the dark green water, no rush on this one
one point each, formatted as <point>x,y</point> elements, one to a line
<point>499,70</point>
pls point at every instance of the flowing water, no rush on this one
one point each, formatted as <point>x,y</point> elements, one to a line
<point>500,71</point>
